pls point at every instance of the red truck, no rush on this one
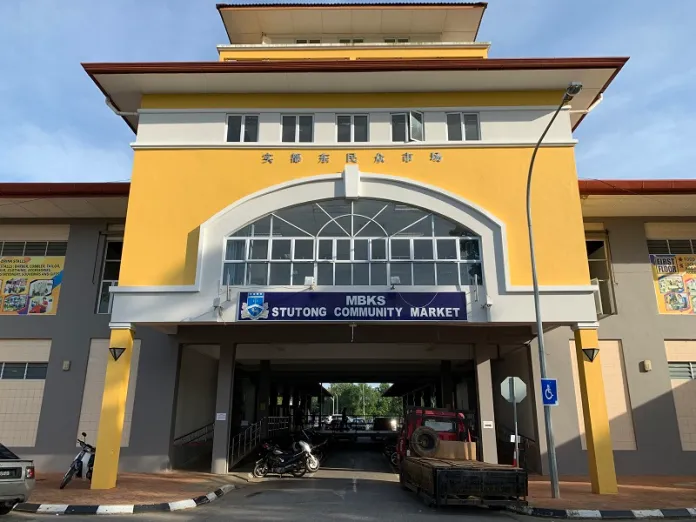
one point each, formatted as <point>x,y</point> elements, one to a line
<point>443,480</point>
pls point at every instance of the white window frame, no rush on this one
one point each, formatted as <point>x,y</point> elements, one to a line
<point>462,126</point>
<point>306,41</point>
<point>297,127</point>
<point>101,275</point>
<point>351,41</point>
<point>409,126</point>
<point>244,116</point>
<point>352,127</point>
<point>396,40</point>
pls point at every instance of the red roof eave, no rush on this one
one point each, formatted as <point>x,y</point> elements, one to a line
<point>64,190</point>
<point>122,189</point>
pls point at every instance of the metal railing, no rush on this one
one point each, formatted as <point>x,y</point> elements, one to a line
<point>529,449</point>
<point>201,434</point>
<point>246,441</point>
<point>277,426</point>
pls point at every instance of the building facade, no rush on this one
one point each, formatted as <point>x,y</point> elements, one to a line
<point>341,196</point>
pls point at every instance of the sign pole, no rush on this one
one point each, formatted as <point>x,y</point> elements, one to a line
<point>515,455</point>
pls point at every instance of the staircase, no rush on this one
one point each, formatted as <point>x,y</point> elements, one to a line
<point>193,450</point>
<point>528,449</point>
<point>248,441</point>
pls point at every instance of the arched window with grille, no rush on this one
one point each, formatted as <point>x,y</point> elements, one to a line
<point>366,242</point>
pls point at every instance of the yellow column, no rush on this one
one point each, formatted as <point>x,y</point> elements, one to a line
<point>594,408</point>
<point>113,409</point>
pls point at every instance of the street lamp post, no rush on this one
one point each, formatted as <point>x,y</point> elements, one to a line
<point>573,89</point>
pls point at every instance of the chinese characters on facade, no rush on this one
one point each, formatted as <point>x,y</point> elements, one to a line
<point>352,157</point>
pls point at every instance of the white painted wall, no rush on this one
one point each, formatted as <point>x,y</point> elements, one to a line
<point>501,126</point>
<point>195,406</point>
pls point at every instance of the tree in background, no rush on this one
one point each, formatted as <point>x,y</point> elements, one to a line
<point>351,395</point>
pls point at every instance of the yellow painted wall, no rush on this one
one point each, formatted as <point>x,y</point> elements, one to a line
<point>174,191</point>
<point>350,53</point>
<point>359,100</point>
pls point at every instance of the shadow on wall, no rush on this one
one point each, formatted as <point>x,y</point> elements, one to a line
<point>657,438</point>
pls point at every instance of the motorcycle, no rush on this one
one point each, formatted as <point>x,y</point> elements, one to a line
<point>317,454</point>
<point>391,454</point>
<point>83,463</point>
<point>279,462</point>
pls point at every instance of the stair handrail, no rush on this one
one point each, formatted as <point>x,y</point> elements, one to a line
<point>198,435</point>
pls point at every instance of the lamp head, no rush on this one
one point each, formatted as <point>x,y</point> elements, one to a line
<point>573,90</point>
<point>591,353</point>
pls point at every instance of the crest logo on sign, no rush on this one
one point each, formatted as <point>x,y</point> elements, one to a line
<point>255,307</point>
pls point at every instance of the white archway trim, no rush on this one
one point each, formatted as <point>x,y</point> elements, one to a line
<point>352,183</point>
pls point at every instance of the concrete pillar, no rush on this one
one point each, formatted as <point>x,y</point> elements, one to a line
<point>447,385</point>
<point>286,400</point>
<point>264,391</point>
<point>600,453</point>
<point>273,401</point>
<point>486,415</point>
<point>223,409</point>
<point>113,407</point>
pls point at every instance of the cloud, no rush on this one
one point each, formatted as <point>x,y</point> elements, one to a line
<point>33,154</point>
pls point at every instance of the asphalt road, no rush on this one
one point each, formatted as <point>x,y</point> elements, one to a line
<point>353,485</point>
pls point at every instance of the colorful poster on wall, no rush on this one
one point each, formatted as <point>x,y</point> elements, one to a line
<point>30,285</point>
<point>675,283</point>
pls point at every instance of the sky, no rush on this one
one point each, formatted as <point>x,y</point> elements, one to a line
<point>54,125</point>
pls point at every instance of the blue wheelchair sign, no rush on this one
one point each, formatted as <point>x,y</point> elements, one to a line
<point>549,392</point>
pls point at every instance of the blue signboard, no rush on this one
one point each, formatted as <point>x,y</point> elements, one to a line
<point>352,306</point>
<point>549,392</point>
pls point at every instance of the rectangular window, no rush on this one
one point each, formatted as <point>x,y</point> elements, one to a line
<point>352,128</point>
<point>111,268</point>
<point>33,248</point>
<point>23,371</point>
<point>242,128</point>
<point>463,127</point>
<point>601,274</point>
<point>351,40</point>
<point>308,41</point>
<point>396,40</point>
<point>408,127</point>
<point>298,128</point>
<point>671,246</point>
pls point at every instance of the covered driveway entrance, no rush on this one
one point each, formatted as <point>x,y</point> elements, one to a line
<point>263,369</point>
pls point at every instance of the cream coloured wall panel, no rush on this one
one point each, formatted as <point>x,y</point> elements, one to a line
<point>684,392</point>
<point>616,393</point>
<point>34,232</point>
<point>182,127</point>
<point>20,400</point>
<point>25,350</point>
<point>94,390</point>
<point>670,230</point>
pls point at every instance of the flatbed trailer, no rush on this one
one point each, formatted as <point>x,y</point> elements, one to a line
<point>464,482</point>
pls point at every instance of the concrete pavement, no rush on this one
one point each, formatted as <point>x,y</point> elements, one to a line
<point>353,485</point>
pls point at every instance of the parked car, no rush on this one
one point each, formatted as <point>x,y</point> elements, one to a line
<point>358,424</point>
<point>16,480</point>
